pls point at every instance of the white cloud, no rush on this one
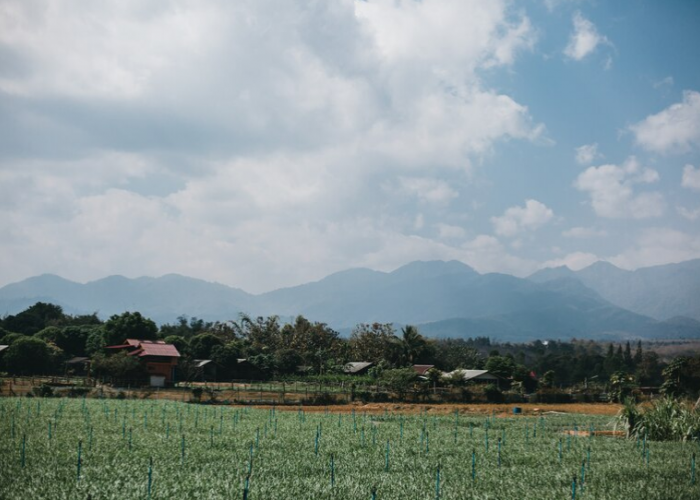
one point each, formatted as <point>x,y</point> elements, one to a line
<point>611,189</point>
<point>247,142</point>
<point>427,190</point>
<point>689,213</point>
<point>674,130</point>
<point>586,154</point>
<point>657,246</point>
<point>517,219</point>
<point>665,82</point>
<point>584,233</point>
<point>574,261</point>
<point>486,254</point>
<point>691,177</point>
<point>447,231</point>
<point>584,40</point>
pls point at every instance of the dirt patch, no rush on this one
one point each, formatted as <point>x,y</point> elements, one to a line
<point>498,410</point>
<point>595,433</point>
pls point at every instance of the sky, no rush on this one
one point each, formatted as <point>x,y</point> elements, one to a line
<point>264,144</point>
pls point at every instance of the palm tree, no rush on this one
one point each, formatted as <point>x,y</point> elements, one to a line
<point>412,343</point>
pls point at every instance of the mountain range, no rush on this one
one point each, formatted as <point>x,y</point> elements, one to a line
<point>445,299</point>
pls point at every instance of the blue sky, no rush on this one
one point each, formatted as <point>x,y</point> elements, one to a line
<point>268,143</point>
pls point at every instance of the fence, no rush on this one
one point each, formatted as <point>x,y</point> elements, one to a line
<point>275,392</point>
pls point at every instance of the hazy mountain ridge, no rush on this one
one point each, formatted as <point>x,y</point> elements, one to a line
<point>662,292</point>
<point>445,298</point>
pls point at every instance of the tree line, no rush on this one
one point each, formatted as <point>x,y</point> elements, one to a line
<point>43,337</point>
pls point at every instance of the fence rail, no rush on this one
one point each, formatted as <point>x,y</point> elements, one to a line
<point>269,392</point>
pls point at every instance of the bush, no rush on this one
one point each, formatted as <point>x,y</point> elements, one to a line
<point>43,391</point>
<point>669,420</point>
<point>78,392</point>
<point>197,394</point>
<point>30,356</point>
<point>493,394</point>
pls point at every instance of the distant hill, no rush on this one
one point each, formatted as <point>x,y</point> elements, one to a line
<point>662,292</point>
<point>162,299</point>
<point>444,298</point>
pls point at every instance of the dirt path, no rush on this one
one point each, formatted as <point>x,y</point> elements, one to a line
<point>500,410</point>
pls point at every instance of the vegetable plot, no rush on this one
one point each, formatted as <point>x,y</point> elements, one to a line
<point>102,449</point>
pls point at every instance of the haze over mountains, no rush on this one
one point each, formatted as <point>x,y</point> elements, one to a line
<point>443,298</point>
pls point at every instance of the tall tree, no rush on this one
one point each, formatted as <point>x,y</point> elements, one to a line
<point>375,342</point>
<point>129,325</point>
<point>413,344</point>
<point>34,319</point>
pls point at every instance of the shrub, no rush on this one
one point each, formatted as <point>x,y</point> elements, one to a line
<point>493,394</point>
<point>666,420</point>
<point>43,391</point>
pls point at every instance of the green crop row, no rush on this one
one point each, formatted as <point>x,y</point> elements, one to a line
<point>102,449</point>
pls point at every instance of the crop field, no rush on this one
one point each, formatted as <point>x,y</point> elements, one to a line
<point>117,449</point>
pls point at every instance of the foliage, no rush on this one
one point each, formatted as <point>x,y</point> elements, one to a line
<point>621,386</point>
<point>399,380</point>
<point>414,347</point>
<point>121,367</point>
<point>34,318</point>
<point>450,354</point>
<point>375,343</point>
<point>501,366</point>
<point>667,419</point>
<point>226,357</point>
<point>547,380</point>
<point>493,393</point>
<point>682,377</point>
<point>273,453</point>
<point>201,345</point>
<point>128,325</point>
<point>186,328</point>
<point>11,338</point>
<point>30,355</point>
<point>71,339</point>
<point>179,342</point>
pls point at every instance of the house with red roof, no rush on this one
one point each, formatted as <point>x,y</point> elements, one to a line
<point>159,358</point>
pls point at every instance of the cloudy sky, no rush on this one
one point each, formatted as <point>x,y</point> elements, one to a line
<point>263,143</point>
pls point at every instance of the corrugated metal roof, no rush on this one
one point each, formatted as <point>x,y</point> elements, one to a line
<point>422,369</point>
<point>356,366</point>
<point>199,363</point>
<point>156,348</point>
<point>77,360</point>
<point>149,348</point>
<point>472,374</point>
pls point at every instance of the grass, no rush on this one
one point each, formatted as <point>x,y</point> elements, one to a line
<point>120,437</point>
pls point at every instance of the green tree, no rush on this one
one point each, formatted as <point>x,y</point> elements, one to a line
<point>451,354</point>
<point>375,342</point>
<point>674,378</point>
<point>501,366</point>
<point>128,325</point>
<point>413,344</point>
<point>73,339</point>
<point>34,318</point>
<point>314,342</point>
<point>638,354</point>
<point>261,334</point>
<point>399,380</point>
<point>179,342</point>
<point>201,345</point>
<point>29,356</point>
<point>226,357</point>
<point>287,361</point>
<point>547,380</point>
<point>95,341</point>
<point>120,367</point>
